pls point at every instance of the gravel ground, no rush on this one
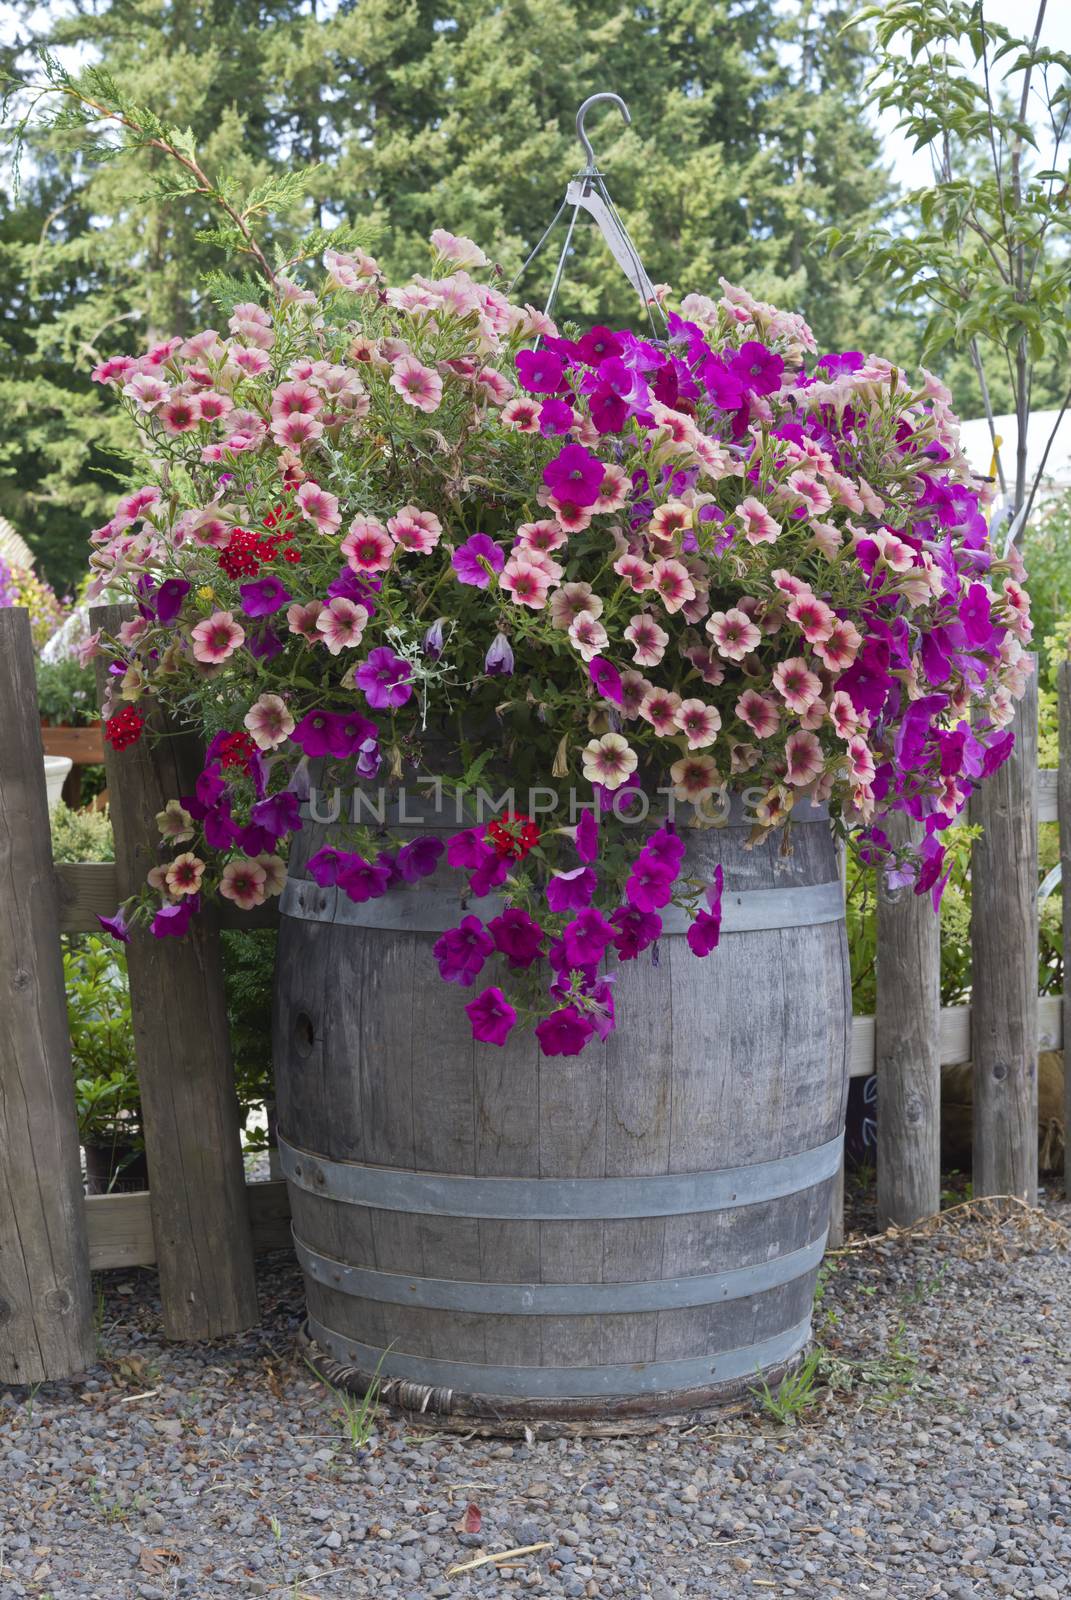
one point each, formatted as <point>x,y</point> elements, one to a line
<point>937,1465</point>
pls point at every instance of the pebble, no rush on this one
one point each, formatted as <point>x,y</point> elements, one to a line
<point>205,1472</point>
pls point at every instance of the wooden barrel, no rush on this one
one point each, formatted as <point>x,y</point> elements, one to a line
<point>635,1230</point>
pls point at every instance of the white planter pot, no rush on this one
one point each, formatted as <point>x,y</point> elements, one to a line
<point>56,770</point>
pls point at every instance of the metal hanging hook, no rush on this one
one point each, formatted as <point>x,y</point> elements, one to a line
<point>594,100</point>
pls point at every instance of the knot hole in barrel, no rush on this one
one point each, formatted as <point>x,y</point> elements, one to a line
<point>304,1034</point>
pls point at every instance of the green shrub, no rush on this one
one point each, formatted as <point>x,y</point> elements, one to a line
<point>81,835</point>
<point>102,1041</point>
<point>67,693</point>
<point>248,977</point>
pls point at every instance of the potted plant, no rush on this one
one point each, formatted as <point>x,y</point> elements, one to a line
<point>682,606</point>
<point>102,1057</point>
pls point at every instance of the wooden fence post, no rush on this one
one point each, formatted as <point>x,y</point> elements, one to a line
<point>46,1309</point>
<point>1004,988</point>
<point>196,1180</point>
<point>907,1060</point>
<point>1063,802</point>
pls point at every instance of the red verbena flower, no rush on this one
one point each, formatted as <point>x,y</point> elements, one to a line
<point>513,835</point>
<point>124,729</point>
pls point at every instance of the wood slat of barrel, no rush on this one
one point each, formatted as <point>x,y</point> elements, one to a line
<point>633,1230</point>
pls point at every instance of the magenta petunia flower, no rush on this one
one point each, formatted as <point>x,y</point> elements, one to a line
<point>703,934</point>
<point>587,937</point>
<point>492,1017</point>
<point>587,837</point>
<point>540,371</point>
<point>168,599</point>
<point>419,858</point>
<point>571,891</point>
<point>666,847</point>
<point>650,884</point>
<point>384,678</point>
<point>264,597</point>
<point>606,678</point>
<point>636,930</point>
<point>115,925</point>
<point>462,951</point>
<point>757,368</point>
<point>173,921</point>
<point>574,476</point>
<point>517,936</point>
<point>323,867</point>
<point>469,558</point>
<point>564,1033</point>
<point>363,880</point>
<point>556,417</point>
<point>599,344</point>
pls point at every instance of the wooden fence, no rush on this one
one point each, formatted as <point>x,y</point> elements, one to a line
<point>200,1223</point>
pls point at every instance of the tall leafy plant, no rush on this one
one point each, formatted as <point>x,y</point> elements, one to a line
<point>988,260</point>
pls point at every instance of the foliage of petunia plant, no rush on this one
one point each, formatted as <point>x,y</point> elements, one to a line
<point>417,536</point>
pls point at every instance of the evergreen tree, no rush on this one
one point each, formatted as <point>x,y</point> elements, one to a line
<point>747,138</point>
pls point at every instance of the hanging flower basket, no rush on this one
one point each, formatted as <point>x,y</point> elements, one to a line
<point>553,661</point>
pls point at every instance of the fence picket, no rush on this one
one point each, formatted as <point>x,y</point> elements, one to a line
<point>46,1312</point>
<point>906,1050</point>
<point>1064,811</point>
<point>199,1211</point>
<point>1004,944</point>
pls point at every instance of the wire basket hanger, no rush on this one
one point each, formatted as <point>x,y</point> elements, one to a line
<point>588,192</point>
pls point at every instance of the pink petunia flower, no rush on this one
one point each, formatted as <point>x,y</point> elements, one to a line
<point>294,432</point>
<point>147,391</point>
<point>214,406</point>
<point>733,632</point>
<point>414,530</point>
<point>522,414</point>
<point>367,546</point>
<point>608,761</point>
<point>660,709</point>
<point>634,690</point>
<point>342,623</point>
<point>671,581</point>
<point>796,683</point>
<point>217,637</point>
<point>183,875</point>
<point>319,507</point>
<point>813,495</point>
<point>758,525</point>
<point>698,722</point>
<point>839,650</point>
<point>788,584</point>
<point>528,584</point>
<point>295,399</point>
<point>694,778</point>
<point>302,620</point>
<point>588,636</point>
<point>570,600</point>
<point>803,757</point>
<point>669,522</point>
<point>759,712</point>
<point>180,414</point>
<point>544,536</point>
<point>614,490</point>
<point>462,252</point>
<point>253,362</point>
<point>571,516</point>
<point>269,722</point>
<point>812,617</point>
<point>860,759</point>
<point>637,573</point>
<point>418,385</point>
<point>244,881</point>
<point>647,639</point>
<point>843,715</point>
